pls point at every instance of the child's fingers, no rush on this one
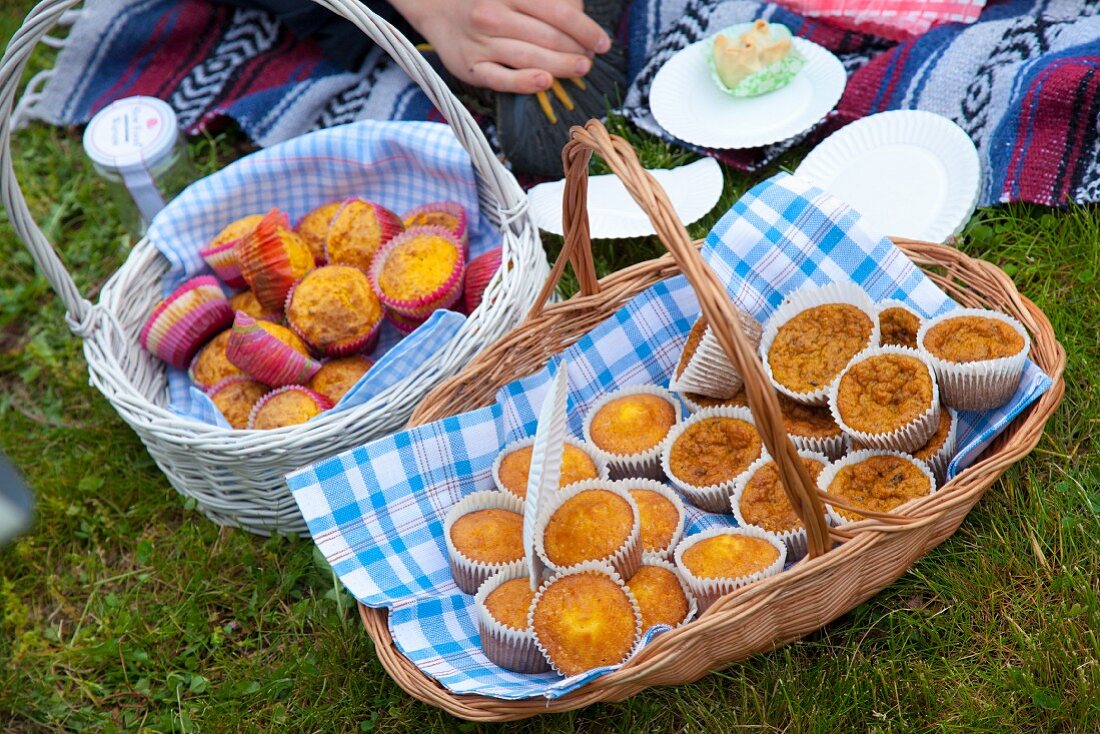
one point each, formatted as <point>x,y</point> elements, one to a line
<point>502,79</point>
<point>523,27</point>
<point>523,55</point>
<point>569,19</point>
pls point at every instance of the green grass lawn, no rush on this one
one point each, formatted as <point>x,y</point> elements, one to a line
<point>125,609</point>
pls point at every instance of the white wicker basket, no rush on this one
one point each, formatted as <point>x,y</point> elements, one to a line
<point>237,476</point>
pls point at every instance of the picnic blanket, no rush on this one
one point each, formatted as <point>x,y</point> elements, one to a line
<point>1021,80</point>
<point>376,512</point>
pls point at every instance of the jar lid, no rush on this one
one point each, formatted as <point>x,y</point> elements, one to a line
<point>131,133</point>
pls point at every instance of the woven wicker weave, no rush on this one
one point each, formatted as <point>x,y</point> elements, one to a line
<point>782,608</point>
<point>237,476</point>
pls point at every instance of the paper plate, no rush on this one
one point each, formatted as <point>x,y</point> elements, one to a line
<point>694,190</point>
<point>910,173</point>
<point>687,103</point>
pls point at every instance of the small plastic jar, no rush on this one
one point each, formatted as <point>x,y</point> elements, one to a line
<point>135,145</point>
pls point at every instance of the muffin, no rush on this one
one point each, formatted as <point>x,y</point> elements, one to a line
<point>357,231</point>
<point>339,375</point>
<point>706,453</point>
<point>661,516</point>
<point>271,353</point>
<point>696,402</point>
<point>235,397</point>
<point>210,366</point>
<point>704,367</point>
<point>662,596</point>
<point>594,520</point>
<point>484,534</point>
<point>717,561</point>
<point>759,500</point>
<point>313,229</point>
<point>503,605</point>
<point>887,398</point>
<point>246,301</point>
<point>287,406</point>
<point>186,320</point>
<point>513,464</point>
<point>940,448</point>
<point>877,481</point>
<point>221,253</point>
<point>479,272</point>
<point>585,618</point>
<point>898,324</point>
<point>418,272</point>
<point>334,310</point>
<point>812,427</point>
<point>272,258</point>
<point>450,215</point>
<point>403,324</point>
<point>812,336</point>
<point>627,428</point>
<point>978,356</point>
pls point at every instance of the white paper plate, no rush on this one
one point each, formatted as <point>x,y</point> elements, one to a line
<point>910,173</point>
<point>687,103</point>
<point>694,190</point>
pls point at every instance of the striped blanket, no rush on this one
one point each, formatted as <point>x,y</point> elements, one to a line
<point>1022,80</point>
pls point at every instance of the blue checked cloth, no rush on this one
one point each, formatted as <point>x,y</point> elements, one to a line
<point>376,512</point>
<point>400,165</point>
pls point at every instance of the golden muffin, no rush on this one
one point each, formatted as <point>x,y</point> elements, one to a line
<point>235,397</point>
<point>632,423</point>
<point>314,226</point>
<point>287,406</point>
<point>592,525</point>
<point>246,301</point>
<point>972,339</point>
<point>489,536</point>
<point>502,605</point>
<point>729,555</point>
<point>357,231</point>
<point>585,620</point>
<point>938,439</point>
<point>660,596</point>
<point>510,603</point>
<point>660,519</point>
<point>418,272</point>
<point>877,482</point>
<point>515,466</point>
<point>339,375</point>
<point>812,348</point>
<point>210,366</point>
<point>334,309</point>
<point>699,402</point>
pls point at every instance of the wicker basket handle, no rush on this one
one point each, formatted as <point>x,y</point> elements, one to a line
<point>713,300</point>
<point>510,202</point>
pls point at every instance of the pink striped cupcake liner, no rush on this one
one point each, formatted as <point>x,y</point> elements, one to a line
<point>321,401</point>
<point>266,357</point>
<point>440,214</point>
<point>182,323</point>
<point>363,342</point>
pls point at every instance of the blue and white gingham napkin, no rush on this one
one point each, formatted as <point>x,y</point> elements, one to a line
<point>376,512</point>
<point>400,165</point>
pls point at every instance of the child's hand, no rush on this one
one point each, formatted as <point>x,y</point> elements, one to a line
<point>508,45</point>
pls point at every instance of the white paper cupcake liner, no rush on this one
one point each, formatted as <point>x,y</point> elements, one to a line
<point>804,299</point>
<point>938,461</point>
<point>794,538</point>
<point>587,567</point>
<point>662,489</point>
<point>715,497</point>
<point>693,605</point>
<point>512,649</point>
<point>909,437</point>
<point>832,447</point>
<point>709,371</point>
<point>625,560</point>
<point>709,590</point>
<point>589,449</point>
<point>470,573</point>
<point>889,304</point>
<point>829,474</point>
<point>982,385</point>
<point>645,464</point>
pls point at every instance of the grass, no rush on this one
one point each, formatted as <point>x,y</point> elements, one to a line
<point>124,609</point>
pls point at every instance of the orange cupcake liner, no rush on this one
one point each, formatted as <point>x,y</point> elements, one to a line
<point>442,297</point>
<point>265,262</point>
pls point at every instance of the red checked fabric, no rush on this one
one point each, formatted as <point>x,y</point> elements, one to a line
<point>896,19</point>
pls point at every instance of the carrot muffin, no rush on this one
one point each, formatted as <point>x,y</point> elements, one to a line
<point>357,231</point>
<point>887,398</point>
<point>272,258</point>
<point>418,272</point>
<point>661,514</point>
<point>210,366</point>
<point>590,521</point>
<point>875,480</point>
<point>235,397</point>
<point>759,500</point>
<point>628,426</point>
<point>940,449</point>
<point>585,619</point>
<point>717,561</point>
<point>706,454</point>
<point>484,534</point>
<point>334,310</point>
<point>287,406</point>
<point>811,427</point>
<point>503,607</point>
<point>513,465</point>
<point>704,367</point>
<point>339,375</point>
<point>898,324</point>
<point>972,339</point>
<point>660,594</point>
<point>697,402</point>
<point>246,301</point>
<point>314,226</point>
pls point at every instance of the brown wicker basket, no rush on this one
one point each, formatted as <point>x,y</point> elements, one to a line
<point>785,607</point>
